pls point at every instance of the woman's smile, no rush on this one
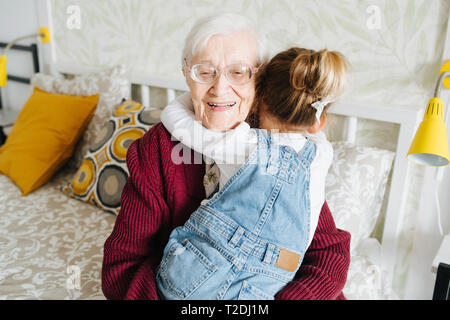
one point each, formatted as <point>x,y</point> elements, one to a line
<point>221,106</point>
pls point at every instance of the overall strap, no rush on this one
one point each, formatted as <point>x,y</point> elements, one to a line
<point>308,152</point>
<point>264,137</point>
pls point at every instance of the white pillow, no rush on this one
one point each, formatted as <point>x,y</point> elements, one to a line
<point>112,85</point>
<point>355,187</point>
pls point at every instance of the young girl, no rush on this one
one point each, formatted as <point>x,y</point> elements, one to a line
<point>247,240</point>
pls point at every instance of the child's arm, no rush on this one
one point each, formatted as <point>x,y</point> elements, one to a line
<point>325,149</point>
<point>223,147</point>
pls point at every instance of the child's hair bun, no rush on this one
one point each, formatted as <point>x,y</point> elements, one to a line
<point>294,79</point>
<point>318,73</point>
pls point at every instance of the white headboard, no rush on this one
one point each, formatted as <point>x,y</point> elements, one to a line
<point>408,119</point>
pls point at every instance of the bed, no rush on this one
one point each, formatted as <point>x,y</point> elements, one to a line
<point>52,238</point>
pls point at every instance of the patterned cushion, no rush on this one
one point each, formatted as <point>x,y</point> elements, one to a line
<point>355,187</point>
<point>103,172</point>
<point>112,85</point>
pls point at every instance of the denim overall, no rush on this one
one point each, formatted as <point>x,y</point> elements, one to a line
<point>249,239</point>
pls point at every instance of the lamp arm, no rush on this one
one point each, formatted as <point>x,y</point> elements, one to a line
<point>437,90</point>
<point>440,170</point>
<point>20,39</point>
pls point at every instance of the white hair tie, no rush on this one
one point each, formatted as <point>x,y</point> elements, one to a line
<point>319,105</point>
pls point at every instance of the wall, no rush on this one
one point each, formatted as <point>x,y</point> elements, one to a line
<point>17,18</point>
<point>394,61</point>
<point>431,226</point>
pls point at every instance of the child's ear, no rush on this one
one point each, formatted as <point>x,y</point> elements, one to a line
<point>316,127</point>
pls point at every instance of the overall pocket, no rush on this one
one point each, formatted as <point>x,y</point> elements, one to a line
<point>184,269</point>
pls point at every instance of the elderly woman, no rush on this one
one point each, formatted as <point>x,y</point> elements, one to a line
<point>160,193</point>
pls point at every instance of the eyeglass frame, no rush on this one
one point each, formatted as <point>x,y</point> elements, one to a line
<point>219,72</point>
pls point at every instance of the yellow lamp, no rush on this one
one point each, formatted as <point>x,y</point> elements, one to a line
<point>430,144</point>
<point>43,34</point>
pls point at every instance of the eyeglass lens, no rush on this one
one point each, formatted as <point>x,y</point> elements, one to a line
<point>235,73</point>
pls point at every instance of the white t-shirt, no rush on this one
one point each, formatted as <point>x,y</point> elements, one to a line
<point>230,149</point>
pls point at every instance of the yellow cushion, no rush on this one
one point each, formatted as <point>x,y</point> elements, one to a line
<point>44,137</point>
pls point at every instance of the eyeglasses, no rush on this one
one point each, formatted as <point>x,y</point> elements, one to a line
<point>237,74</point>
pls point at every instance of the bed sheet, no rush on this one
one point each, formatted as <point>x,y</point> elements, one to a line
<point>52,245</point>
<point>366,279</point>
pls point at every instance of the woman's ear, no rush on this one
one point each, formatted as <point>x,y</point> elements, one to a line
<point>316,127</point>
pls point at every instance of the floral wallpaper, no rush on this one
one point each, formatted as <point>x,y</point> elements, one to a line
<point>394,48</point>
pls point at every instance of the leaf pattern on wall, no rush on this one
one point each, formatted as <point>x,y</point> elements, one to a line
<point>396,64</point>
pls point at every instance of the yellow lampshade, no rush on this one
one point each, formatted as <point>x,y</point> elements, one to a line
<point>430,144</point>
<point>3,74</point>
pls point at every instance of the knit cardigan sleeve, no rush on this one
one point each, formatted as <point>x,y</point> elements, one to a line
<point>133,250</point>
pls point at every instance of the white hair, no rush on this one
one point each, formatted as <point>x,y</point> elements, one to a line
<point>222,23</point>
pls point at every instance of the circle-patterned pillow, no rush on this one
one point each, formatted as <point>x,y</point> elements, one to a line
<point>103,172</point>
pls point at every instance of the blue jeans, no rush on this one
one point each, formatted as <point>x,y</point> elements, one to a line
<point>249,240</point>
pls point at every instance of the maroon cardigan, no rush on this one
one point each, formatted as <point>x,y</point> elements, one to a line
<point>160,195</point>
